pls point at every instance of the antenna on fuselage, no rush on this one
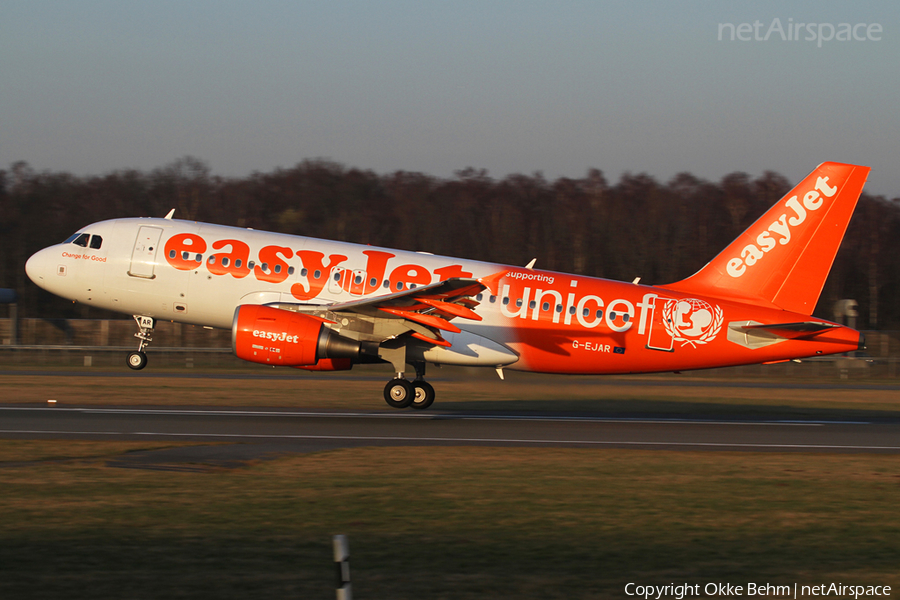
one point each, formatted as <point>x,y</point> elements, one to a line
<point>169,216</point>
<point>530,265</point>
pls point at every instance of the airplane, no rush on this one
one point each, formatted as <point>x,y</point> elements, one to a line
<point>323,305</point>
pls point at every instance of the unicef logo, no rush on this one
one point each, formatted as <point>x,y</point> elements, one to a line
<point>692,321</point>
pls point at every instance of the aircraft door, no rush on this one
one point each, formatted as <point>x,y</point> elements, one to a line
<point>336,280</point>
<point>662,327</point>
<point>358,283</point>
<point>143,255</point>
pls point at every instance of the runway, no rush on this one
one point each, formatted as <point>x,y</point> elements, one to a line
<point>264,431</point>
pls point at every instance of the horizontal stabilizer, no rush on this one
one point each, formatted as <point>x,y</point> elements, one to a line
<point>793,330</point>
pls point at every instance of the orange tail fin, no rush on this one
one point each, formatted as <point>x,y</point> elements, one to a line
<point>782,260</point>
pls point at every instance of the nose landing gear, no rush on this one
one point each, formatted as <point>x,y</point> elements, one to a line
<point>138,360</point>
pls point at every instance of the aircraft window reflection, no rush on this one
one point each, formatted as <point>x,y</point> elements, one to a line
<point>212,260</point>
<point>82,240</point>
<point>96,242</point>
<point>519,302</point>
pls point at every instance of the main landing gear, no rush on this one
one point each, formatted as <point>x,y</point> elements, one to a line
<point>138,360</point>
<point>400,393</point>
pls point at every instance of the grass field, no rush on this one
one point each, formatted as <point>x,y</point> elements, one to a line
<point>439,522</point>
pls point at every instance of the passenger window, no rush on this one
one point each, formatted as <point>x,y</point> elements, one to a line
<point>571,310</point>
<point>303,272</point>
<point>82,240</point>
<point>317,274</point>
<point>237,263</point>
<point>212,259</point>
<point>493,299</point>
<point>545,306</point>
<point>479,297</point>
<point>278,268</point>
<point>290,270</point>
<point>373,282</point>
<point>532,304</point>
<point>519,302</point>
<point>96,242</point>
<point>625,317</point>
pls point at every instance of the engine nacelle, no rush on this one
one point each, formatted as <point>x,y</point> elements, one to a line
<point>272,336</point>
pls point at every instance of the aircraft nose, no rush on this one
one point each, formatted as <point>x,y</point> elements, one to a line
<point>39,267</point>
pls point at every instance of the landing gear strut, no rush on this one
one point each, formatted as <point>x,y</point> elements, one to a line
<point>400,393</point>
<point>138,360</point>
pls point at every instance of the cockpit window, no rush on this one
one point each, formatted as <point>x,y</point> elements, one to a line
<point>71,238</point>
<point>96,242</point>
<point>82,240</point>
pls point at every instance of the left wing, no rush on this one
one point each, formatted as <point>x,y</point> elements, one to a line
<point>424,311</point>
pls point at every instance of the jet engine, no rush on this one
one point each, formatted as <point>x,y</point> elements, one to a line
<point>272,336</point>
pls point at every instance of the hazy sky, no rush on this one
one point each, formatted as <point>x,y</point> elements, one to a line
<point>92,86</point>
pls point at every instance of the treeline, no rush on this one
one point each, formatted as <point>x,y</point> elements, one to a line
<point>636,227</point>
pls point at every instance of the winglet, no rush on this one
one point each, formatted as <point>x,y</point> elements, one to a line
<point>492,282</point>
<point>783,259</point>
